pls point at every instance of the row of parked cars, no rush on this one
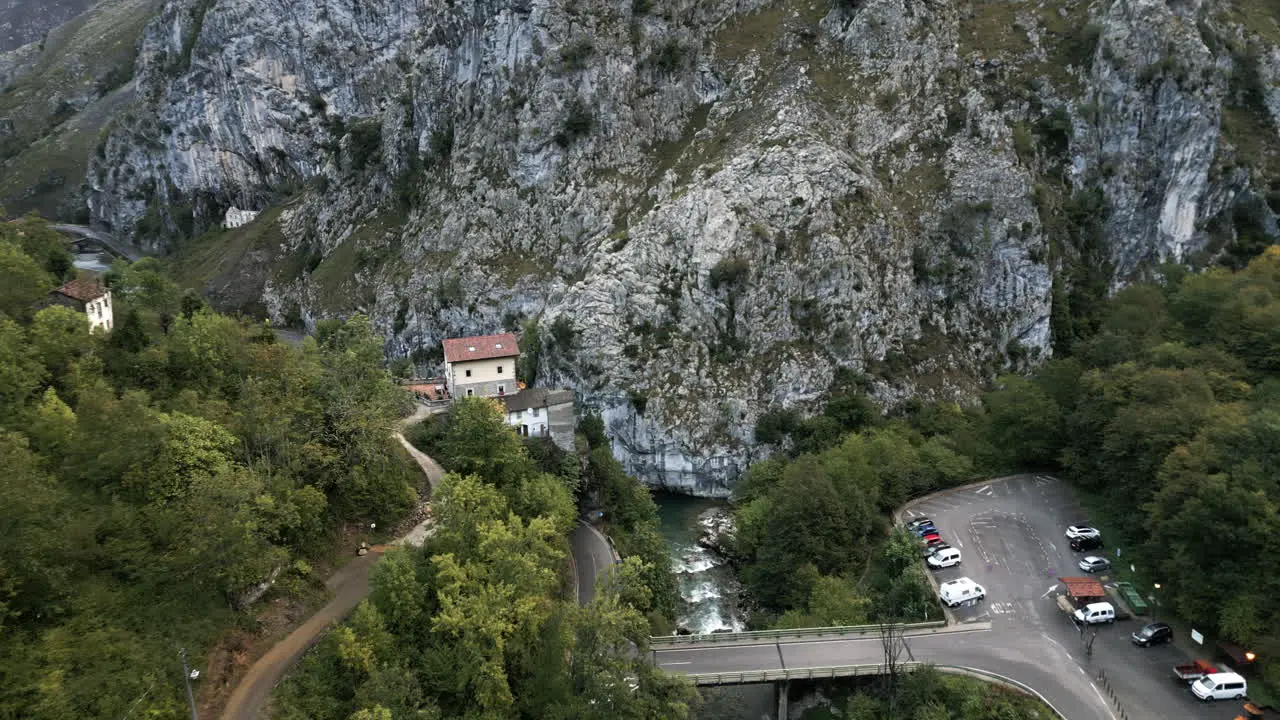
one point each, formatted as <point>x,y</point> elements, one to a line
<point>1206,681</point>
<point>938,556</point>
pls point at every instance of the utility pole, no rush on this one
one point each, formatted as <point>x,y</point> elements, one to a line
<point>186,678</point>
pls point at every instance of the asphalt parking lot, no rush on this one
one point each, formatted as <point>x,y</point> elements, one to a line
<point>1011,536</point>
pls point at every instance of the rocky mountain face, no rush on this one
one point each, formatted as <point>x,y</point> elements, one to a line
<point>699,209</point>
<point>26,21</point>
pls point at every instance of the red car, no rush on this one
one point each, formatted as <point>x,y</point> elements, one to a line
<point>931,537</point>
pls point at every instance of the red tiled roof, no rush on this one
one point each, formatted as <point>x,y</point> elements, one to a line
<point>82,290</point>
<point>1083,587</point>
<point>481,347</point>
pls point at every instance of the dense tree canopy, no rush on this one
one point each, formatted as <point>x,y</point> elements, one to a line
<point>153,475</point>
<point>478,624</point>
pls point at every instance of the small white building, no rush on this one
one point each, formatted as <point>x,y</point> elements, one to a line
<point>238,218</point>
<point>539,412</point>
<point>87,297</point>
<point>481,366</point>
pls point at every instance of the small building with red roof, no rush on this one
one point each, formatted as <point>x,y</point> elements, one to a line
<point>481,366</point>
<point>88,297</point>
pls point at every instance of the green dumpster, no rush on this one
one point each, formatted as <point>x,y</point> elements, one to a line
<point>1133,597</point>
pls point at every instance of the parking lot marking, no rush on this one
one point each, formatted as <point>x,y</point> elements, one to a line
<point>1046,592</point>
<point>984,490</point>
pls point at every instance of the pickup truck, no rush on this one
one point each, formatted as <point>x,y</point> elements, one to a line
<point>1194,671</point>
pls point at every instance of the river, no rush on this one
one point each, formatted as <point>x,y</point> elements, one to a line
<point>709,591</point>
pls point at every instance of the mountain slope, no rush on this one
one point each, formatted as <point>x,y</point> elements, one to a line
<point>709,206</point>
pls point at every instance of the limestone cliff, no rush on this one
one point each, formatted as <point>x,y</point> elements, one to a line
<point>706,205</point>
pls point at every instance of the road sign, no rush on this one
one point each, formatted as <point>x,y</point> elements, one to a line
<point>1195,635</point>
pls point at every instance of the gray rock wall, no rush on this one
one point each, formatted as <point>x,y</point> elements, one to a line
<point>716,204</point>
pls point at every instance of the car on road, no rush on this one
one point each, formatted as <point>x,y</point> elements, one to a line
<point>962,591</point>
<point>943,558</point>
<point>925,529</point>
<point>1082,544</point>
<point>918,521</point>
<point>1082,531</point>
<point>1093,564</point>
<point>1153,634</point>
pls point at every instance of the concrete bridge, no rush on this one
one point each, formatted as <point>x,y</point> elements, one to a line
<point>780,656</point>
<point>116,246</point>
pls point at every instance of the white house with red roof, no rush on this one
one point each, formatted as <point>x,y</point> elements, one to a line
<point>88,297</point>
<point>481,366</point>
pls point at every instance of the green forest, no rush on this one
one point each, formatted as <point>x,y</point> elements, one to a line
<point>1164,413</point>
<point>480,623</point>
<point>154,475</point>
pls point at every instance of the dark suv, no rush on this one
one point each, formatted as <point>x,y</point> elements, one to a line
<point>1082,544</point>
<point>1153,634</point>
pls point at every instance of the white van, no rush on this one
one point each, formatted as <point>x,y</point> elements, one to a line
<point>1220,686</point>
<point>1095,613</point>
<point>962,591</point>
<point>944,558</point>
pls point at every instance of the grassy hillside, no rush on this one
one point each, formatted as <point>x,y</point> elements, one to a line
<point>62,101</point>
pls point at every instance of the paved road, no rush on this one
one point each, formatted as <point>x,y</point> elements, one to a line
<point>592,554</point>
<point>1010,532</point>
<point>1002,652</point>
<point>348,586</point>
<point>117,246</point>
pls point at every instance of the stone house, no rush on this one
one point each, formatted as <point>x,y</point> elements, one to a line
<point>481,366</point>
<point>539,412</point>
<point>88,297</point>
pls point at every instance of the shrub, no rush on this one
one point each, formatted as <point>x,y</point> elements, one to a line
<point>578,123</point>
<point>729,272</point>
<point>670,57</point>
<point>366,143</point>
<point>574,56</point>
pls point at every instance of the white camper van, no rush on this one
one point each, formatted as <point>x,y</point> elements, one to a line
<point>960,592</point>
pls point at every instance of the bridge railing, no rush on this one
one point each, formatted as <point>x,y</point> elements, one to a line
<point>819,673</point>
<point>755,637</point>
<point>844,671</point>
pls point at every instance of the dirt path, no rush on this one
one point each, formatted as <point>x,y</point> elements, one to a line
<point>348,587</point>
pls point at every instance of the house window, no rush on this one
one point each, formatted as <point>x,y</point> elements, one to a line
<point>502,389</point>
<point>470,392</point>
<point>499,369</point>
<point>534,412</point>
<point>468,373</point>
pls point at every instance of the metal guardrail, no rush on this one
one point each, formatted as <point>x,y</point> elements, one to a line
<point>760,676</point>
<point>839,671</point>
<point>754,637</point>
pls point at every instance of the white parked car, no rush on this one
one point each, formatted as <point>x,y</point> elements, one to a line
<point>1220,686</point>
<point>960,592</point>
<point>944,558</point>
<point>1095,614</point>
<point>1082,531</point>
